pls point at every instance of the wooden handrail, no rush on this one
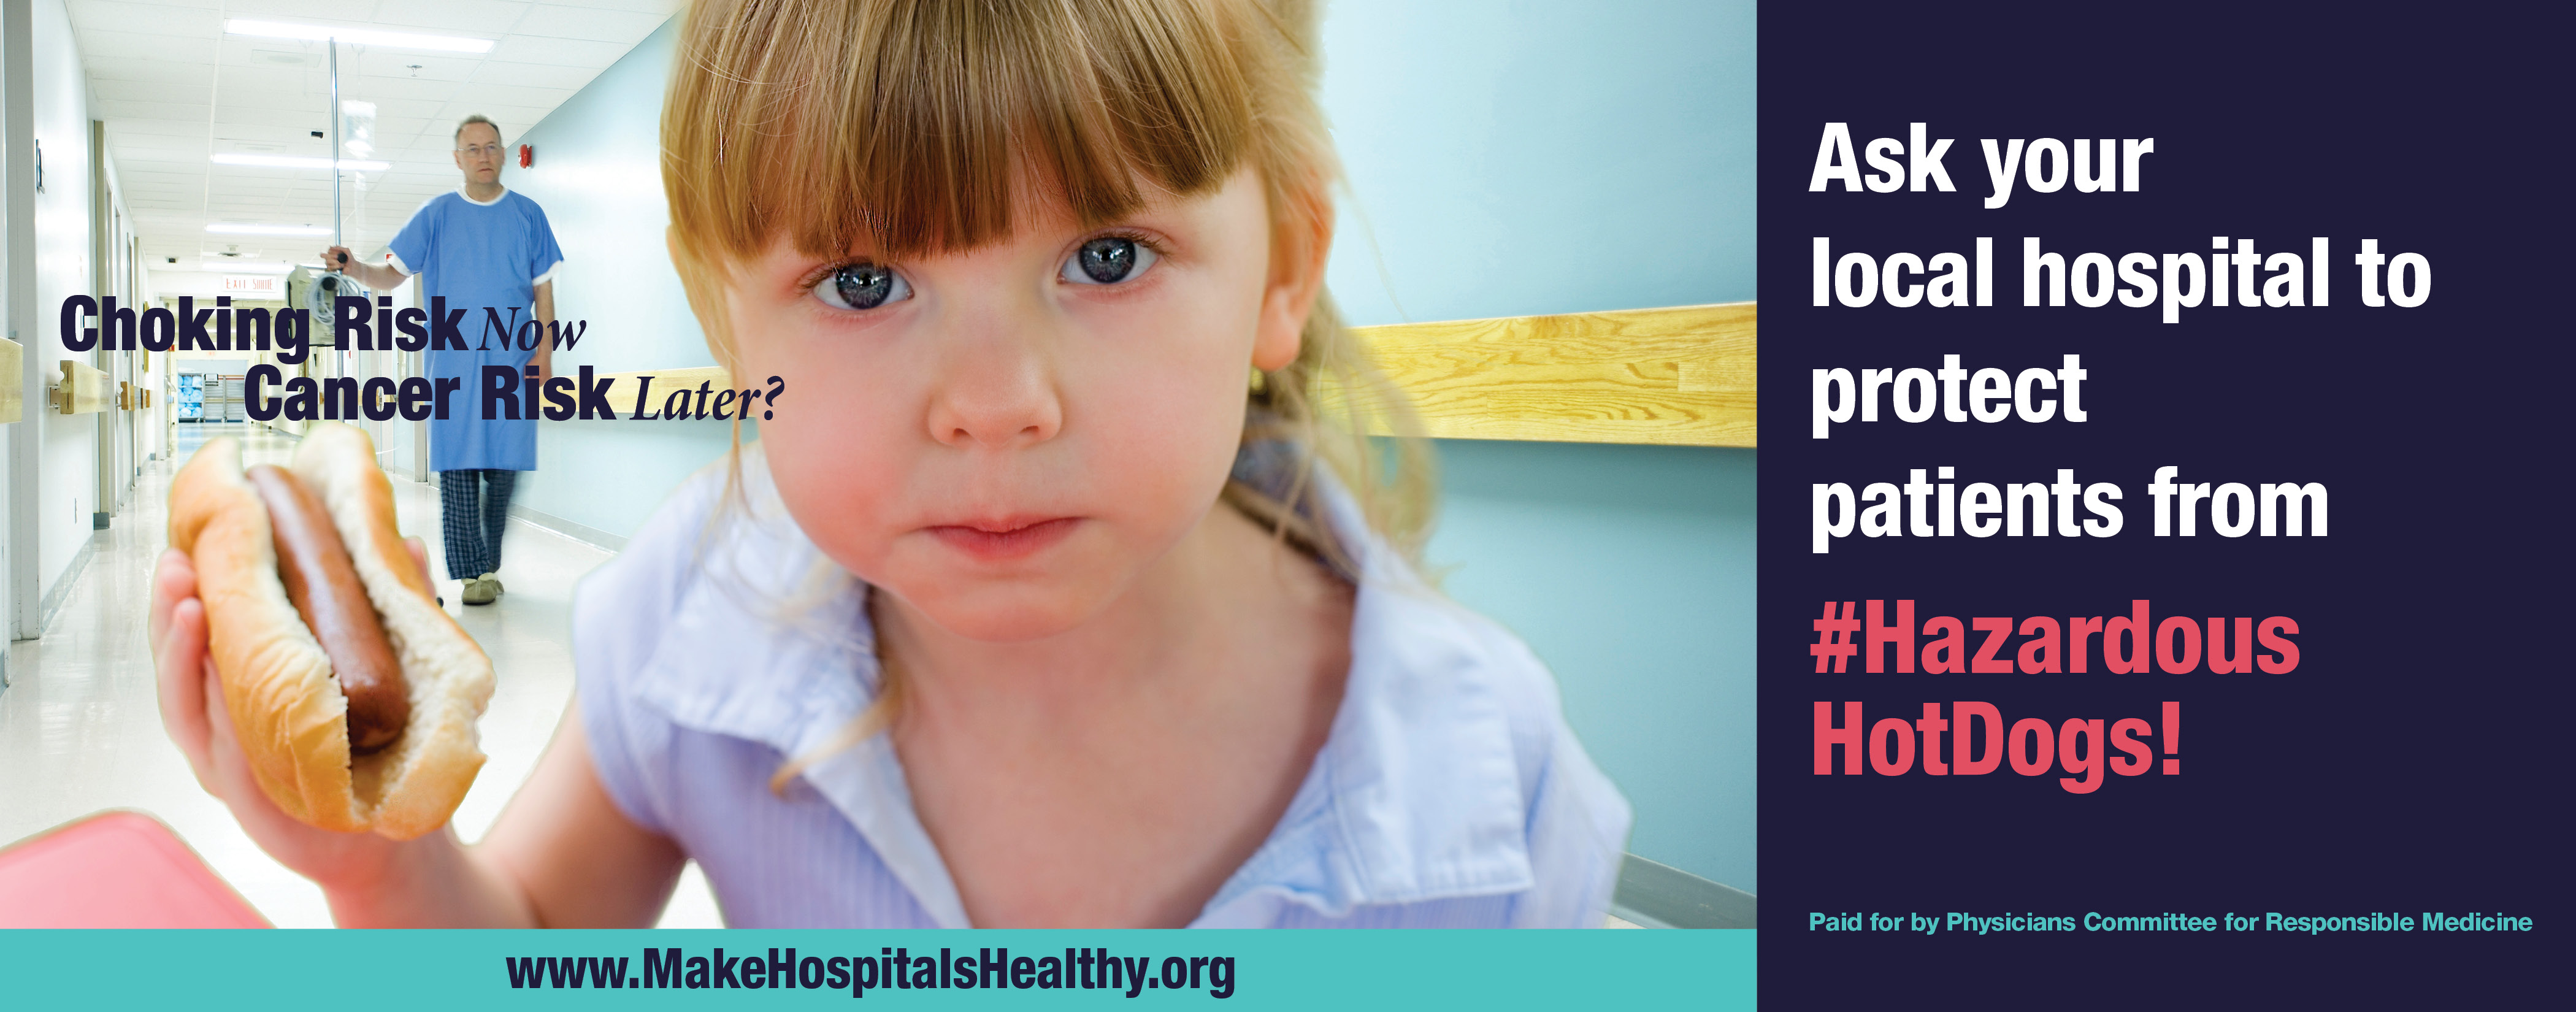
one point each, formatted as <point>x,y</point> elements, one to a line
<point>1681,376</point>
<point>13,363</point>
<point>83,389</point>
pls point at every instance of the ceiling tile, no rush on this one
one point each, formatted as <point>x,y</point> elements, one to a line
<point>385,89</point>
<point>558,52</point>
<point>154,164</point>
<point>164,183</point>
<point>140,126</point>
<point>628,27</point>
<point>157,71</point>
<point>480,18</point>
<point>234,181</point>
<point>99,45</point>
<point>535,75</point>
<point>253,78</point>
<point>315,108</point>
<point>276,54</point>
<point>413,66</point>
<point>408,109</point>
<point>304,119</point>
<point>514,95</point>
<point>513,120</point>
<point>307,12</point>
<point>148,110</point>
<point>145,18</point>
<point>142,147</point>
<point>297,139</point>
<point>194,5</point>
<point>151,91</point>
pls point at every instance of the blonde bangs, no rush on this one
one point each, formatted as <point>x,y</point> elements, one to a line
<point>910,125</point>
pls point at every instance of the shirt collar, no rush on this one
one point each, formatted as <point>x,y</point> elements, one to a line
<point>1414,796</point>
<point>469,198</point>
<point>1416,793</point>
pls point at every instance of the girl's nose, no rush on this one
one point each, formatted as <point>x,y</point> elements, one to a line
<point>997,395</point>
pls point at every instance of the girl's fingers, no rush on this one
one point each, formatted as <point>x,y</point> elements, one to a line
<point>318,854</point>
<point>177,640</point>
<point>181,662</point>
<point>227,772</point>
<point>173,580</point>
<point>220,746</point>
<point>209,699</point>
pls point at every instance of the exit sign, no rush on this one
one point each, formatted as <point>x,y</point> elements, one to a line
<point>263,284</point>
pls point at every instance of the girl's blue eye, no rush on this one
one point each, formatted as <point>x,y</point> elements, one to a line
<point>862,285</point>
<point>1108,260</point>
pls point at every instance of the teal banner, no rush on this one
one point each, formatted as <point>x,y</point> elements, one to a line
<point>368,971</point>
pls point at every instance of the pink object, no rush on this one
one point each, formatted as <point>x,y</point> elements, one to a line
<point>115,870</point>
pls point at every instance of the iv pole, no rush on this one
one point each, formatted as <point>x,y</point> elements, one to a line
<point>336,282</point>
<point>334,45</point>
<point>344,283</point>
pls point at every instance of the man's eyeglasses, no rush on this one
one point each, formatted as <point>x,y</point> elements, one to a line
<point>482,151</point>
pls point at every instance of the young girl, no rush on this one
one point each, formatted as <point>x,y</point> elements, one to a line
<point>1050,601</point>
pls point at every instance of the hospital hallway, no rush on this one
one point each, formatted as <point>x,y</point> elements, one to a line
<point>80,721</point>
<point>236,230</point>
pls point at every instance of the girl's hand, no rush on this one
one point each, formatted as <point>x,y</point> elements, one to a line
<point>192,710</point>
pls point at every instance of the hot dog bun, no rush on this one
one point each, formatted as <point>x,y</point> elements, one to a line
<point>287,708</point>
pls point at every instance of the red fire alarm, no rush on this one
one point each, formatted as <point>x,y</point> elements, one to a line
<point>527,156</point>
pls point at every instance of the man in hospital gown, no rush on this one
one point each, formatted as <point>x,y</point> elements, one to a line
<point>480,247</point>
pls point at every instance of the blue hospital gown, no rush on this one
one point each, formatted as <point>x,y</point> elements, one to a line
<point>478,255</point>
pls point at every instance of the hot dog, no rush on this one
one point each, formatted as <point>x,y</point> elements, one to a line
<point>324,587</point>
<point>353,694</point>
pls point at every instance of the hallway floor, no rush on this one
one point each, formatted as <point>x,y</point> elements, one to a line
<point>80,723</point>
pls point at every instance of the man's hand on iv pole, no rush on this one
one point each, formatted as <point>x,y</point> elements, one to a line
<point>376,276</point>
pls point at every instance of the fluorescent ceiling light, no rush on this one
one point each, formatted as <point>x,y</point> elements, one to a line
<point>360,36</point>
<point>294,162</point>
<point>231,228</point>
<point>245,267</point>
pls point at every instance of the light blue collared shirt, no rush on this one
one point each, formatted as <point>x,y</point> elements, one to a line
<point>1450,792</point>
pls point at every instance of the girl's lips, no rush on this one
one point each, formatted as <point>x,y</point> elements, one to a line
<point>1005,541</point>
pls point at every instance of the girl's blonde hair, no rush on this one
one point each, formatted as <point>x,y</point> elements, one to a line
<point>911,124</point>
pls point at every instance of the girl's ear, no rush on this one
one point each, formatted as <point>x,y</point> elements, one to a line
<point>1297,261</point>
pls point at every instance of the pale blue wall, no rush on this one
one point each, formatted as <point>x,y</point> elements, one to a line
<point>598,174</point>
<point>1504,159</point>
<point>1511,158</point>
<point>1507,159</point>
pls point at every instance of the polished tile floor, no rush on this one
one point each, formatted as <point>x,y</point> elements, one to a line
<point>80,723</point>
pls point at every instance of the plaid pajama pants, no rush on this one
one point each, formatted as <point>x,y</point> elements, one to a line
<point>474,508</point>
